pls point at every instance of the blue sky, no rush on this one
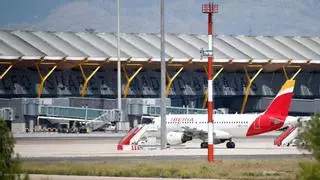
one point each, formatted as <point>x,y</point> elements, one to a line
<point>236,17</point>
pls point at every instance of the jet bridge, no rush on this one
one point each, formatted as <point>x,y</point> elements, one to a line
<point>93,118</point>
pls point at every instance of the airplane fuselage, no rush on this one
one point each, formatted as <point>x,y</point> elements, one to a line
<point>234,124</point>
<point>225,125</point>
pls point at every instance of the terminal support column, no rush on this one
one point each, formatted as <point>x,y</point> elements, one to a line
<point>6,70</point>
<point>171,79</point>
<point>130,79</point>
<point>204,103</point>
<point>87,78</point>
<point>294,75</point>
<point>250,81</point>
<point>44,78</point>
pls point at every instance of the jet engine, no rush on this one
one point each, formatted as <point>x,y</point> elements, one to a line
<point>178,138</point>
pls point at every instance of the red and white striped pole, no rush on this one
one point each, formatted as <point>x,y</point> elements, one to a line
<point>210,9</point>
<point>210,105</point>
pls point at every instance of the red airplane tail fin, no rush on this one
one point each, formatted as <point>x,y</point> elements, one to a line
<point>279,107</point>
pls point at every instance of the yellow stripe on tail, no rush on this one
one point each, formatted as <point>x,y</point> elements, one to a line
<point>288,84</point>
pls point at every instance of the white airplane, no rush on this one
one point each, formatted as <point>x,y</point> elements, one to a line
<point>183,128</point>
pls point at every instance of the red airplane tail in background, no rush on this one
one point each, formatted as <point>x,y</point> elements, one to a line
<point>281,103</point>
<point>275,115</point>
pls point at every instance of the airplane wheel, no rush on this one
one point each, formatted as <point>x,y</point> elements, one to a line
<point>231,145</point>
<point>204,145</point>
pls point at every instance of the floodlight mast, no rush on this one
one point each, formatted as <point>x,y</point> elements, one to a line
<point>210,9</point>
<point>163,80</point>
<point>118,61</point>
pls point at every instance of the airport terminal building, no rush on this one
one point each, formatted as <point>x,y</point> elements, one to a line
<point>52,77</point>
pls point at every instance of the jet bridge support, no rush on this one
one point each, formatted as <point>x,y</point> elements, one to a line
<point>45,77</point>
<point>87,78</point>
<point>250,81</point>
<point>204,103</point>
<point>171,79</point>
<point>130,78</point>
<point>10,65</point>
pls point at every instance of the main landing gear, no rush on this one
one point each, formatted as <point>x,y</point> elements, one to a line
<point>204,145</point>
<point>231,145</point>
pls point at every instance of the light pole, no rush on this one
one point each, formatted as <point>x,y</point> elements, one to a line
<point>210,9</point>
<point>163,81</point>
<point>118,57</point>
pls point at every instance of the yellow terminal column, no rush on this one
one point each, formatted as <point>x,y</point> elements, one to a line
<point>294,75</point>
<point>250,81</point>
<point>204,103</point>
<point>6,70</point>
<point>130,79</point>
<point>171,79</point>
<point>44,78</point>
<point>87,78</point>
